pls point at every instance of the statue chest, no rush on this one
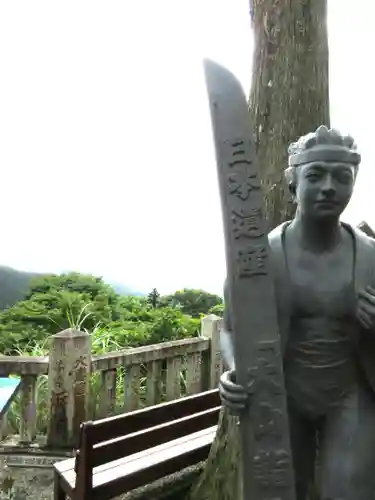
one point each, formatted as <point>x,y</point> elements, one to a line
<point>320,359</point>
<point>322,286</point>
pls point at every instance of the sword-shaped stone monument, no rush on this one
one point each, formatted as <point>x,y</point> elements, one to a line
<point>265,446</point>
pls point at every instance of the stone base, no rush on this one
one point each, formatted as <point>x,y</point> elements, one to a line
<point>16,454</point>
<point>33,478</point>
<point>28,472</point>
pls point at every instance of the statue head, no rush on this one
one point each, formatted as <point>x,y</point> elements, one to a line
<point>322,170</point>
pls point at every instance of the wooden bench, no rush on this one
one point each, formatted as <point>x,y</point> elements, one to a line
<point>119,454</point>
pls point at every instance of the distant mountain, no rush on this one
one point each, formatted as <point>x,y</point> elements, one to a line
<point>122,289</point>
<point>14,285</point>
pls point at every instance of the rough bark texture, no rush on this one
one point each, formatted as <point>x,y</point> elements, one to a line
<point>220,479</point>
<point>289,98</point>
<point>289,95</point>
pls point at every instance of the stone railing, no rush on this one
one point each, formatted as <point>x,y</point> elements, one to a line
<point>82,386</point>
<point>29,369</point>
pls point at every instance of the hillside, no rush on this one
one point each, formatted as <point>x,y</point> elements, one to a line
<point>14,285</point>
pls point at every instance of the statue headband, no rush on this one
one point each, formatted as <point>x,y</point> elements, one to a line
<point>324,145</point>
<point>325,152</point>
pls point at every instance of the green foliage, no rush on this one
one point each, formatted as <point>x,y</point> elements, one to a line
<point>191,301</point>
<point>57,302</point>
<point>218,310</point>
<point>71,282</point>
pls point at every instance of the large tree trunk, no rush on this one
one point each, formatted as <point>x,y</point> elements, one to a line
<point>289,95</point>
<point>289,98</point>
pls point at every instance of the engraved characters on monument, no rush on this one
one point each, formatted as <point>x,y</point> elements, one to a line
<point>265,447</point>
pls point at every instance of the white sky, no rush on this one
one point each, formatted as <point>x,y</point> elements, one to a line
<point>106,155</point>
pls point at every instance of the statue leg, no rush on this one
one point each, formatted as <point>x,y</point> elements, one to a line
<point>348,449</point>
<point>303,444</point>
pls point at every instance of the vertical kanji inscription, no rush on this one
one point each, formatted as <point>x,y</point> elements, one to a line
<point>241,184</point>
<point>263,425</point>
<point>242,180</point>
<point>267,372</point>
<point>252,261</point>
<point>268,421</point>
<point>247,223</point>
<point>271,469</point>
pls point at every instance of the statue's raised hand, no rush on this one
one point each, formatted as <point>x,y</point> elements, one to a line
<point>235,397</point>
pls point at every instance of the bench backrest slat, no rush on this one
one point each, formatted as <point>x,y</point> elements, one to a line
<point>148,473</point>
<point>154,436</point>
<point>122,425</point>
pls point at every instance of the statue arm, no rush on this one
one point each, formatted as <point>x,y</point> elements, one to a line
<point>226,332</point>
<point>366,297</point>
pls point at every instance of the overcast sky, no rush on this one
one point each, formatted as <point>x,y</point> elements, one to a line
<point>107,163</point>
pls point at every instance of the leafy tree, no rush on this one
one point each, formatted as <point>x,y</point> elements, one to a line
<point>191,301</point>
<point>57,302</point>
<point>154,298</point>
<point>43,314</point>
<point>72,282</point>
<point>218,310</point>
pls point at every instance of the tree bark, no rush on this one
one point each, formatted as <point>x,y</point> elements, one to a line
<point>220,479</point>
<point>290,94</point>
<point>289,98</point>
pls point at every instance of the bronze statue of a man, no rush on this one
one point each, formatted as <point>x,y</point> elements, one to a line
<point>325,286</point>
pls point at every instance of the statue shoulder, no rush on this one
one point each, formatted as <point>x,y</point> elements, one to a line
<point>275,237</point>
<point>365,241</point>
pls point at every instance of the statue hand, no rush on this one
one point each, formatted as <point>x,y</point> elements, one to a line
<point>233,396</point>
<point>366,308</point>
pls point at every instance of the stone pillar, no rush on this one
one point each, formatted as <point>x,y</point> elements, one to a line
<point>68,386</point>
<point>210,328</point>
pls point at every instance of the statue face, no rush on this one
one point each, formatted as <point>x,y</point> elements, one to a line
<point>323,189</point>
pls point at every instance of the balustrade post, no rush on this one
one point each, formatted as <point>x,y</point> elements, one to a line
<point>68,386</point>
<point>210,328</point>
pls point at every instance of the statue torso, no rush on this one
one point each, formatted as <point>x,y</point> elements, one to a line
<point>320,358</point>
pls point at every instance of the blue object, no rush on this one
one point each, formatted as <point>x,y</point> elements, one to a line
<point>8,390</point>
